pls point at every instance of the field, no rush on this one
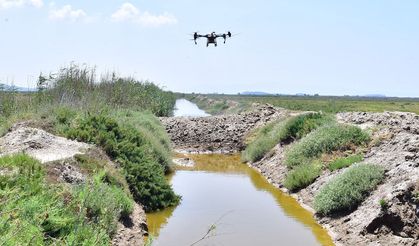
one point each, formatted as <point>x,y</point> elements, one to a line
<point>328,104</point>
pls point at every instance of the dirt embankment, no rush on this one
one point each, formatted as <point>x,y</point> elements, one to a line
<point>396,148</point>
<point>221,134</point>
<point>58,156</point>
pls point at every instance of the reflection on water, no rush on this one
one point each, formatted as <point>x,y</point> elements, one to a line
<point>184,107</point>
<point>249,210</point>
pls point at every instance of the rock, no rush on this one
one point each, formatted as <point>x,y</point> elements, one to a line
<point>40,144</point>
<point>131,230</point>
<point>220,134</point>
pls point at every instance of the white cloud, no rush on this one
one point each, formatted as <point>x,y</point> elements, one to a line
<point>6,4</point>
<point>129,13</point>
<point>67,13</point>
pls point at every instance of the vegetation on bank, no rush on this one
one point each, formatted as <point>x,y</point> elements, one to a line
<point>348,189</point>
<point>303,157</point>
<point>313,135</point>
<point>335,137</point>
<point>79,88</point>
<point>344,162</point>
<point>302,175</point>
<point>276,132</point>
<point>118,115</point>
<point>138,152</point>
<point>36,212</point>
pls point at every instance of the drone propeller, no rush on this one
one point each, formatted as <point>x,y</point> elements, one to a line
<point>229,34</point>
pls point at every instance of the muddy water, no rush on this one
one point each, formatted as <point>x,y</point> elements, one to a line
<point>243,207</point>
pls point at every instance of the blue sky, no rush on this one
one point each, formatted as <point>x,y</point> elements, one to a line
<point>352,47</point>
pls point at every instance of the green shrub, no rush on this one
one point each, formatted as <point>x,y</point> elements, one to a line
<point>344,162</point>
<point>257,149</point>
<point>325,140</point>
<point>299,126</point>
<point>347,190</point>
<point>104,204</point>
<point>144,171</point>
<point>151,130</point>
<point>108,174</point>
<point>383,204</point>
<point>64,114</point>
<point>33,212</point>
<point>273,133</point>
<point>302,176</point>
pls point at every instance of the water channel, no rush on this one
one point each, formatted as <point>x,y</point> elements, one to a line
<point>225,202</point>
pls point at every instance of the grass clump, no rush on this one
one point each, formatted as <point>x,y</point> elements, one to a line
<point>383,204</point>
<point>325,140</point>
<point>133,150</point>
<point>348,189</point>
<point>34,212</point>
<point>265,140</point>
<point>104,204</point>
<point>344,162</point>
<point>273,133</point>
<point>302,176</point>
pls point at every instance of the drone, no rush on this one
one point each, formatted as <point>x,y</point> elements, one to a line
<point>212,37</point>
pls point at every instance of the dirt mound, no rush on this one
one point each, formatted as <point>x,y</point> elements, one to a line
<point>224,134</point>
<point>40,144</point>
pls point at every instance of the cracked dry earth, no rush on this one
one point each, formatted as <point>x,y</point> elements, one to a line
<point>397,150</point>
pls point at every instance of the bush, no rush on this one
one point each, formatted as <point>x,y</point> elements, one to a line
<point>347,190</point>
<point>144,169</point>
<point>302,176</point>
<point>104,204</point>
<point>263,142</point>
<point>33,212</point>
<point>325,140</point>
<point>299,126</point>
<point>344,162</point>
<point>93,165</point>
<point>151,130</point>
<point>273,133</point>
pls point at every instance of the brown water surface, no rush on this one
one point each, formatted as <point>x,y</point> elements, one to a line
<point>243,207</point>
